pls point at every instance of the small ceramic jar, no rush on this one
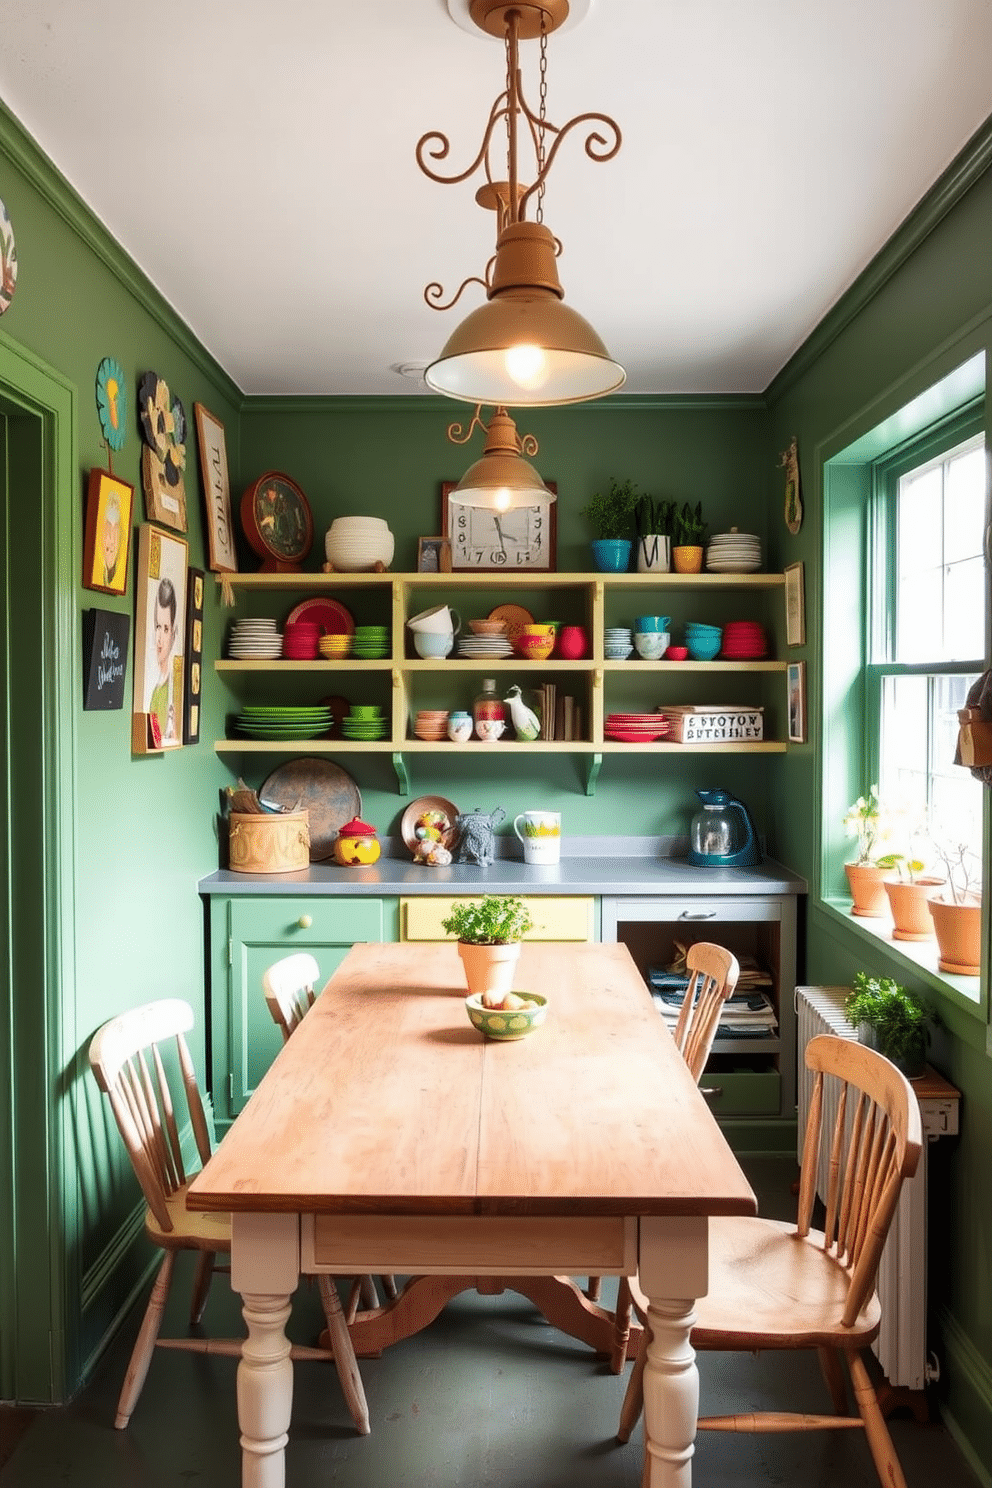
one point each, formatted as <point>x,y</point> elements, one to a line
<point>356,844</point>
<point>459,727</point>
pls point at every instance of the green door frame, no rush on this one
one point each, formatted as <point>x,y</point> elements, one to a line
<point>40,669</point>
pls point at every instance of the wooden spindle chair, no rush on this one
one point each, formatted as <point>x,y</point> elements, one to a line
<point>713,973</point>
<point>777,1285</point>
<point>126,1057</point>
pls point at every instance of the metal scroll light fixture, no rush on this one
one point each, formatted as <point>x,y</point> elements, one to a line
<point>502,479</point>
<point>524,347</point>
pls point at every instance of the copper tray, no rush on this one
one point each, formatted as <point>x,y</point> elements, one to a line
<point>328,793</point>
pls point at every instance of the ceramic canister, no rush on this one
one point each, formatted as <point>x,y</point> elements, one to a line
<point>540,833</point>
<point>459,726</point>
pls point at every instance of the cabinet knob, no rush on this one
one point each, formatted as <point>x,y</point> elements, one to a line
<point>305,921</point>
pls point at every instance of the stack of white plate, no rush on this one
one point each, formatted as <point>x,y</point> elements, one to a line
<point>734,552</point>
<point>356,543</point>
<point>254,640</point>
<point>484,648</point>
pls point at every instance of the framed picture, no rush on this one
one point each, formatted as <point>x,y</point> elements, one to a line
<point>796,684</point>
<point>216,490</point>
<point>105,637</point>
<point>107,540</point>
<point>521,540</point>
<point>159,640</point>
<point>433,555</point>
<point>194,656</point>
<point>795,606</point>
<point>163,458</point>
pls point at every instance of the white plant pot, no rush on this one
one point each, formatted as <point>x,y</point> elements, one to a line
<point>654,553</point>
<point>490,969</point>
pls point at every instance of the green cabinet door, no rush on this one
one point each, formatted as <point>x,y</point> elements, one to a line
<point>247,935</point>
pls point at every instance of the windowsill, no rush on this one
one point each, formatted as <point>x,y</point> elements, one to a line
<point>916,956</point>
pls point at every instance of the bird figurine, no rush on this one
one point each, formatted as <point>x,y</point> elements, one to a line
<point>525,721</point>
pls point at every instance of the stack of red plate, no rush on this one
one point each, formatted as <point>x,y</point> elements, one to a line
<point>635,728</point>
<point>744,639</point>
<point>300,640</point>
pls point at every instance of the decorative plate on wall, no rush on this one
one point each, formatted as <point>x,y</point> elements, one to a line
<point>277,522</point>
<point>8,260</point>
<point>111,402</point>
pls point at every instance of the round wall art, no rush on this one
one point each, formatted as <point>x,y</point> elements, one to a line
<point>8,259</point>
<point>111,402</point>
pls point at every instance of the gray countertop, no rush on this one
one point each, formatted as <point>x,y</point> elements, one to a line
<point>593,865</point>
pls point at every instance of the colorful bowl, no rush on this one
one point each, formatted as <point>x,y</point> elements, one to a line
<point>535,648</point>
<point>514,1023</point>
<point>676,653</point>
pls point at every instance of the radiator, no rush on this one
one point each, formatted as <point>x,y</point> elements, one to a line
<point>901,1346</point>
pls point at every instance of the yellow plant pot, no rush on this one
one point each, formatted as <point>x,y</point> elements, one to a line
<point>687,560</point>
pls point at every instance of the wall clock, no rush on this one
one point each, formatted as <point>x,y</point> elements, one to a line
<point>522,540</point>
<point>277,522</point>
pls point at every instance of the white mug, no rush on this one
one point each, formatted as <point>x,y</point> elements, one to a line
<point>540,835</point>
<point>440,619</point>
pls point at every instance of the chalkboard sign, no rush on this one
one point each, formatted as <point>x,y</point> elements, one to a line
<point>105,639</point>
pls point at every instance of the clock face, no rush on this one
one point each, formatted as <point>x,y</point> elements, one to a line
<point>521,540</point>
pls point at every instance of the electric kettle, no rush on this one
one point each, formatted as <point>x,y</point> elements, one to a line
<point>722,835</point>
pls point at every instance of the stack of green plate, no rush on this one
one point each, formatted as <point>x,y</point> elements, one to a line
<point>363,726</point>
<point>370,642</point>
<point>284,722</point>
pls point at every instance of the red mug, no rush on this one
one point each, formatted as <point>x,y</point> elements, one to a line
<point>573,643</point>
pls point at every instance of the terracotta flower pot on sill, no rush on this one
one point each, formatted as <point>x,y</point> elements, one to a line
<point>958,929</point>
<point>867,887</point>
<point>910,911</point>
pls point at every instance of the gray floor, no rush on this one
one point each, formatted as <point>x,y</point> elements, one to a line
<point>488,1395</point>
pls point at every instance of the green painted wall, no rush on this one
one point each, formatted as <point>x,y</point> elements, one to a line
<point>923,310</point>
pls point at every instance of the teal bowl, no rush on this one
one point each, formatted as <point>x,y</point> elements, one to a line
<point>514,1023</point>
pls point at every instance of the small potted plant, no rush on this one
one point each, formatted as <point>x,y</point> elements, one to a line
<point>890,1019</point>
<point>908,894</point>
<point>612,516</point>
<point>489,932</point>
<point>688,537</point>
<point>653,518</point>
<point>864,820</point>
<point>957,912</point>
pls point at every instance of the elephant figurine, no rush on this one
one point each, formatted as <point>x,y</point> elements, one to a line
<point>477,836</point>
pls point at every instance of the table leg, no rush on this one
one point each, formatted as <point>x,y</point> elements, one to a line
<point>672,1270</point>
<point>265,1269</point>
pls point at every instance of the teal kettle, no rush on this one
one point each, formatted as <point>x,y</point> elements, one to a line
<point>722,835</point>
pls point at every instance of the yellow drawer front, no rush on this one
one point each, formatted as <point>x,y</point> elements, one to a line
<point>554,919</point>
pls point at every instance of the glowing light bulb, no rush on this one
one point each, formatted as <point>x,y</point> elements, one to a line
<point>502,499</point>
<point>527,365</point>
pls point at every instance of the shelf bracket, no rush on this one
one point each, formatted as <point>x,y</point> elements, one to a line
<point>593,762</point>
<point>402,778</point>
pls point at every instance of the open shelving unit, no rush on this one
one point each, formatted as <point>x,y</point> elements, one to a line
<point>404,681</point>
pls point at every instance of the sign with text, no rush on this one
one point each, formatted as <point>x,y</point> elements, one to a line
<point>105,639</point>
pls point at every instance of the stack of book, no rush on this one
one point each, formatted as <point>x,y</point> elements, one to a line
<point>748,1014</point>
<point>561,716</point>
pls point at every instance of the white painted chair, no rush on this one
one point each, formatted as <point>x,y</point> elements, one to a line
<point>129,1067</point>
<point>777,1285</point>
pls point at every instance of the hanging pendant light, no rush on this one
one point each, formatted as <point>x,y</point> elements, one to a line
<point>524,347</point>
<point>502,479</point>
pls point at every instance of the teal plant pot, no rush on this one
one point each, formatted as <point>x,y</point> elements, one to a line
<point>612,554</point>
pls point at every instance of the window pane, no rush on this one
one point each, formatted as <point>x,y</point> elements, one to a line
<point>964,506</point>
<point>964,607</point>
<point>919,635</point>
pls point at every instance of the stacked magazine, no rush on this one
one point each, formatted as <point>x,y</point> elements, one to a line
<point>748,1014</point>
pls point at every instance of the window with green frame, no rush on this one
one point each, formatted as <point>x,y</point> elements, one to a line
<point>926,613</point>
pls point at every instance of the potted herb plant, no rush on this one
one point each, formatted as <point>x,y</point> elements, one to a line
<point>865,878</point>
<point>908,895</point>
<point>689,532</point>
<point>612,516</point>
<point>489,932</point>
<point>957,912</point>
<point>653,518</point>
<point>891,1019</point>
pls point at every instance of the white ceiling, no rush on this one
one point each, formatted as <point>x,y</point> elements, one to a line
<point>257,161</point>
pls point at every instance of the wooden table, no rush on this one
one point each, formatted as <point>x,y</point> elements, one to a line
<point>389,1136</point>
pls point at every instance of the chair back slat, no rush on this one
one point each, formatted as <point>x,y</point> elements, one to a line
<point>289,990</point>
<point>875,1143</point>
<point>126,1059</point>
<point>714,973</point>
